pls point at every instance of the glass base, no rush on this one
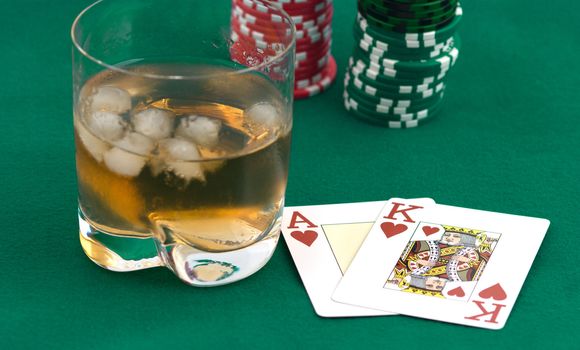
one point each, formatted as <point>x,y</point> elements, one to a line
<point>206,269</point>
<point>115,253</point>
<point>193,266</point>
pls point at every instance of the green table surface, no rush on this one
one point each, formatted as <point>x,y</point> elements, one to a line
<point>508,140</point>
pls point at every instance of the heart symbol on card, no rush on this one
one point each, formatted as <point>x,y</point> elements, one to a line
<point>494,292</point>
<point>391,230</point>
<point>429,230</point>
<point>456,292</point>
<point>306,237</point>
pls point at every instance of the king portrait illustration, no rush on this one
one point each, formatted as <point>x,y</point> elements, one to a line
<point>457,255</point>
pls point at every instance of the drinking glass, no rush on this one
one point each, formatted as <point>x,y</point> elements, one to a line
<point>182,134</point>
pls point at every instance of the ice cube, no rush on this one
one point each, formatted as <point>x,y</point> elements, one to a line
<point>187,170</point>
<point>136,143</point>
<point>95,146</point>
<point>203,131</point>
<point>124,163</point>
<point>264,113</point>
<point>154,123</point>
<point>110,99</point>
<point>106,125</point>
<point>180,156</point>
<point>179,149</point>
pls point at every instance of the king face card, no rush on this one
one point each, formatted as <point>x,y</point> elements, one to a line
<point>323,239</point>
<point>444,263</point>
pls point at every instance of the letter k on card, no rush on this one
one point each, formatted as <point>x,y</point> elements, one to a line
<point>400,216</point>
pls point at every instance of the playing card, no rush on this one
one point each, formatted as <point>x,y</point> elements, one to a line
<point>323,239</point>
<point>457,265</point>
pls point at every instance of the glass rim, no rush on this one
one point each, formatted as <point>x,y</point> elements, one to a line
<point>119,69</point>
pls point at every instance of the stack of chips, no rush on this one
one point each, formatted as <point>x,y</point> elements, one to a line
<point>405,48</point>
<point>315,67</point>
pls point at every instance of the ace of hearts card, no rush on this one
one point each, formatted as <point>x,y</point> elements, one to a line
<point>443,263</point>
<point>322,240</point>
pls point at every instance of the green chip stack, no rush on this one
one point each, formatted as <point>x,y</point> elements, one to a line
<point>405,48</point>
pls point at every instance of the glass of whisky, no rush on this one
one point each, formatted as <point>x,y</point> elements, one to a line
<point>182,137</point>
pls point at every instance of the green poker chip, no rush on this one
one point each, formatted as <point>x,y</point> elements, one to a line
<point>421,103</point>
<point>433,65</point>
<point>395,92</point>
<point>407,47</point>
<point>390,115</point>
<point>369,35</point>
<point>393,124</point>
<point>390,17</point>
<point>388,50</point>
<point>383,82</point>
<point>410,6</point>
<point>413,107</point>
<point>406,13</point>
<point>400,27</point>
<point>404,51</point>
<point>379,73</point>
<point>385,34</point>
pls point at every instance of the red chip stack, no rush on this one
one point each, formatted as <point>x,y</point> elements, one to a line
<point>315,67</point>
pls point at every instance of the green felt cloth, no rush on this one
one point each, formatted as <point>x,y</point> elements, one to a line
<point>508,140</point>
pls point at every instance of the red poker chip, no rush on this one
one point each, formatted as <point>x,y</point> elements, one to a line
<point>262,24</point>
<point>314,52</point>
<point>258,31</point>
<point>269,48</point>
<point>275,32</point>
<point>315,39</point>
<point>314,65</point>
<point>317,66</point>
<point>264,36</point>
<point>304,76</point>
<point>313,31</point>
<point>265,19</point>
<point>290,7</point>
<point>259,11</point>
<point>257,7</point>
<point>300,2</point>
<point>273,46</point>
<point>315,6</point>
<point>305,73</point>
<point>307,33</point>
<point>315,21</point>
<point>317,46</point>
<point>311,69</point>
<point>281,31</point>
<point>246,53</point>
<point>303,43</point>
<point>256,47</point>
<point>318,17</point>
<point>303,83</point>
<point>262,41</point>
<point>309,59</point>
<point>328,76</point>
<point>313,25</point>
<point>269,15</point>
